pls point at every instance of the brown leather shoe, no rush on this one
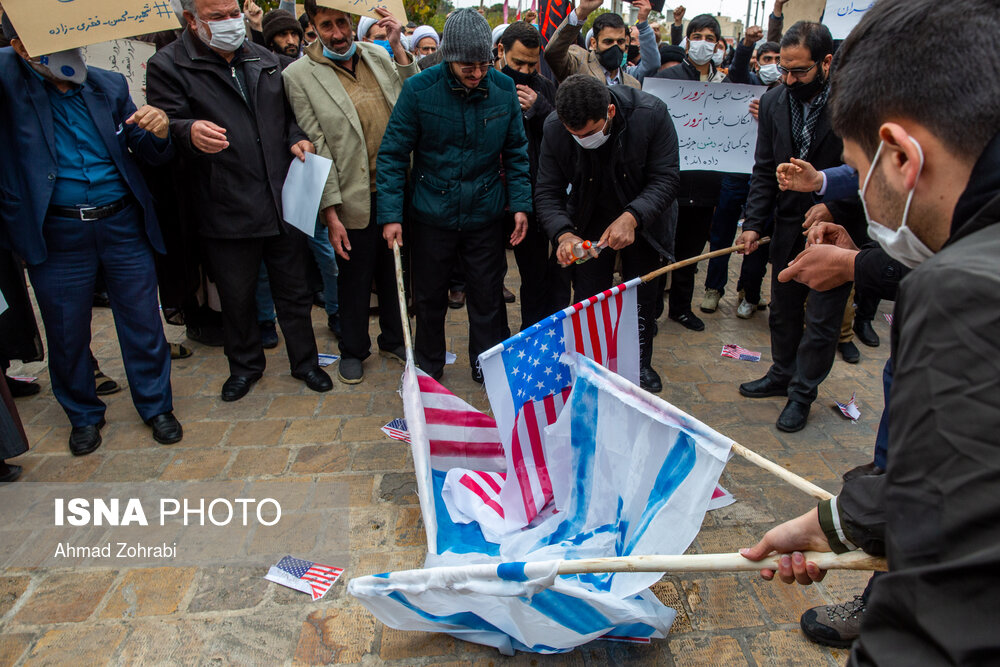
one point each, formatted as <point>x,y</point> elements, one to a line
<point>456,299</point>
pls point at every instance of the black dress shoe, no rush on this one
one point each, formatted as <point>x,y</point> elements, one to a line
<point>849,351</point>
<point>763,388</point>
<point>689,320</point>
<point>793,417</point>
<point>650,380</point>
<point>477,375</point>
<point>865,332</point>
<point>20,388</point>
<point>316,379</point>
<point>207,335</point>
<point>456,299</point>
<point>166,429</point>
<point>85,439</point>
<point>9,473</point>
<point>237,386</point>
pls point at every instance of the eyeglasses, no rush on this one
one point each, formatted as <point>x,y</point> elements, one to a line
<point>798,71</point>
<point>469,70</point>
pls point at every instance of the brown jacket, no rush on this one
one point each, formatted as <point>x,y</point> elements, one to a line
<point>566,58</point>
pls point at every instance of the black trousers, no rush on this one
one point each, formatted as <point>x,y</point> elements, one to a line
<point>370,260</point>
<point>694,224</point>
<point>235,264</point>
<point>545,286</point>
<point>865,305</point>
<point>479,254</point>
<point>804,335</point>
<point>596,275</point>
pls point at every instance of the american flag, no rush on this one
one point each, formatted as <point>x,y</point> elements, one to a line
<point>396,429</point>
<point>850,409</point>
<point>741,353</point>
<point>528,385</point>
<point>888,318</point>
<point>460,436</point>
<point>304,575</point>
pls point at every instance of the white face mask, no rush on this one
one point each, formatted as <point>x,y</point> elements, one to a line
<point>769,74</point>
<point>900,244</point>
<point>227,34</point>
<point>717,58</point>
<point>700,52</point>
<point>595,140</point>
<point>62,65</point>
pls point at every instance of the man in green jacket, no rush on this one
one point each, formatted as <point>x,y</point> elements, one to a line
<point>461,122</point>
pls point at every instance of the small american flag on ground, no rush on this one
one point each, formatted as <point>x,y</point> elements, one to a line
<point>737,352</point>
<point>304,575</point>
<point>396,429</point>
<point>888,318</point>
<point>850,409</point>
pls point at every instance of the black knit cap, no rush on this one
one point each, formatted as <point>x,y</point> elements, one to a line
<point>278,21</point>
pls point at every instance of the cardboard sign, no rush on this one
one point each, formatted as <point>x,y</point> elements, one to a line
<point>47,26</point>
<point>842,15</point>
<point>367,7</point>
<point>127,57</point>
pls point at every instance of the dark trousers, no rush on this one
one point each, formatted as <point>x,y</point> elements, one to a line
<point>693,225</point>
<point>370,260</point>
<point>866,305</point>
<point>804,335</point>
<point>725,221</point>
<point>479,254</point>
<point>235,264</point>
<point>545,286</point>
<point>596,275</point>
<point>64,286</point>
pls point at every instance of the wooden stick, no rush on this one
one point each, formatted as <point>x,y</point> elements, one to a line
<point>401,294</point>
<point>694,260</point>
<point>731,562</point>
<point>787,475</point>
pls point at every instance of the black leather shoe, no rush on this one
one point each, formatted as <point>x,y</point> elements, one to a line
<point>477,375</point>
<point>763,388</point>
<point>237,386</point>
<point>9,472</point>
<point>21,388</point>
<point>650,380</point>
<point>849,351</point>
<point>793,417</point>
<point>689,320</point>
<point>316,379</point>
<point>85,439</point>
<point>166,429</point>
<point>865,332</point>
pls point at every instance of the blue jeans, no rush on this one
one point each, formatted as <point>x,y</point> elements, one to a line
<point>326,259</point>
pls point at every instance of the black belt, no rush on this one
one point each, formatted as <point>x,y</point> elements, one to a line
<point>90,213</point>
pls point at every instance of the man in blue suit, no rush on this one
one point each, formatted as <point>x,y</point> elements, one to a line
<point>72,202</point>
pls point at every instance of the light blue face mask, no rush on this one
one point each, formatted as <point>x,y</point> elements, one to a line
<point>384,43</point>
<point>333,55</point>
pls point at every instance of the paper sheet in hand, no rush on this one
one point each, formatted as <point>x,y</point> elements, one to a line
<point>303,190</point>
<point>842,15</point>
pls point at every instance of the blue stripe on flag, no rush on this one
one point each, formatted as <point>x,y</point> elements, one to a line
<point>511,571</point>
<point>632,630</point>
<point>570,612</point>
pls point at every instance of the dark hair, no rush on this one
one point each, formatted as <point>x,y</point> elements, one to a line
<point>304,21</point>
<point>768,47</point>
<point>671,54</point>
<point>521,31</point>
<point>878,79</point>
<point>608,20</point>
<point>813,36</point>
<point>582,99</point>
<point>703,21</point>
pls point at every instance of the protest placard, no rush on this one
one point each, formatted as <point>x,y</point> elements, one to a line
<point>367,7</point>
<point>715,129</point>
<point>47,26</point>
<point>127,57</point>
<point>842,15</point>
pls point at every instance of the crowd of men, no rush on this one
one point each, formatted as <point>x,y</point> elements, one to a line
<point>458,146</point>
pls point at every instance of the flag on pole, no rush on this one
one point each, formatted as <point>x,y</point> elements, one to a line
<point>305,576</point>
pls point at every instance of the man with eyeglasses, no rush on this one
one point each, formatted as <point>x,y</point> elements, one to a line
<point>460,121</point>
<point>804,323</point>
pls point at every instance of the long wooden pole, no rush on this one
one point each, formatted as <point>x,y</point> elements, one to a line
<point>700,258</point>
<point>731,562</point>
<point>787,475</point>
<point>401,295</point>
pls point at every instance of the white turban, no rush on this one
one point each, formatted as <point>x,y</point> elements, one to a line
<point>422,32</point>
<point>586,42</point>
<point>498,32</point>
<point>364,25</point>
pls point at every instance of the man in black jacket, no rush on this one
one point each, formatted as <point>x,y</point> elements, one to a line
<point>608,172</point>
<point>930,170</point>
<point>795,122</point>
<point>236,135</point>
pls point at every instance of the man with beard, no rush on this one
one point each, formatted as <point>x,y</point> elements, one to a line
<point>283,33</point>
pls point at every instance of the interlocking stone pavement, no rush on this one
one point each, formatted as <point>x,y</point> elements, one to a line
<point>282,431</point>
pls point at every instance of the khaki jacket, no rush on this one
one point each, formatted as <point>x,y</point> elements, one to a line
<point>566,58</point>
<point>326,114</point>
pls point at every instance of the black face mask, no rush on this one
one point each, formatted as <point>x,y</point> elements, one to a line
<point>520,78</point>
<point>803,92</point>
<point>633,53</point>
<point>611,58</point>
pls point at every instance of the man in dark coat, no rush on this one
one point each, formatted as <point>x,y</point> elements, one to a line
<point>930,174</point>
<point>236,133</point>
<point>616,150</point>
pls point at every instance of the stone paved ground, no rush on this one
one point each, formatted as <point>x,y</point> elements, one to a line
<point>281,430</point>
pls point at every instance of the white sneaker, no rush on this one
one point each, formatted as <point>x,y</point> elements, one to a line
<point>745,310</point>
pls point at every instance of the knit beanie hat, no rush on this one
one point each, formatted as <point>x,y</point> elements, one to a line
<point>467,38</point>
<point>278,21</point>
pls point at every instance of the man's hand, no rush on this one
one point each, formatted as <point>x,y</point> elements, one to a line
<point>778,7</point>
<point>679,14</point>
<point>526,96</point>
<point>520,228</point>
<point>151,119</point>
<point>829,234</point>
<point>254,15</point>
<point>817,214</point>
<point>337,232</point>
<point>644,8</point>
<point>585,7</point>
<point>799,176</point>
<point>393,234</point>
<point>620,233</point>
<point>300,148</point>
<point>564,253</point>
<point>393,31</point>
<point>749,241</point>
<point>208,137</point>
<point>821,267</point>
<point>754,34</point>
<point>755,108</point>
<point>792,537</point>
